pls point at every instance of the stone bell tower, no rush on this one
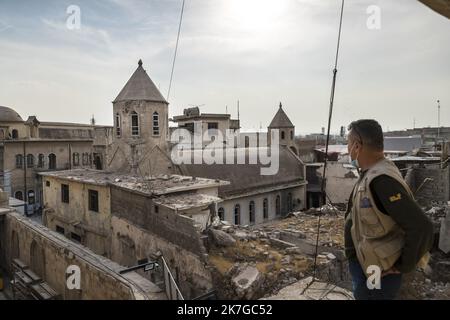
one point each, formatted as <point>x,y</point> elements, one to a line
<point>286,129</point>
<point>140,130</point>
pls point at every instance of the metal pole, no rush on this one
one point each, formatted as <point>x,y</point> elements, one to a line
<point>439,119</point>
<point>333,86</point>
<point>25,196</point>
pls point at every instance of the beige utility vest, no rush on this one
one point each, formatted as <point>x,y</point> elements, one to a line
<point>378,240</point>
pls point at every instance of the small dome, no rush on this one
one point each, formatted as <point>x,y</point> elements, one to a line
<point>9,115</point>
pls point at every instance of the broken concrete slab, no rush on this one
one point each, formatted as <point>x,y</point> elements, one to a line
<point>307,289</point>
<point>247,282</point>
<point>280,243</point>
<point>221,238</point>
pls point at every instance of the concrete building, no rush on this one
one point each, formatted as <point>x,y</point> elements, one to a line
<point>127,218</point>
<point>29,147</point>
<point>207,122</point>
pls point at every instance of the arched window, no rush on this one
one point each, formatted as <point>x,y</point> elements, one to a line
<point>15,134</point>
<point>52,161</point>
<point>289,202</point>
<point>98,162</point>
<point>247,141</point>
<point>40,161</point>
<point>278,206</point>
<point>292,135</point>
<point>117,123</point>
<point>31,197</point>
<point>282,135</point>
<point>265,209</point>
<point>155,123</point>
<point>30,161</point>
<point>18,195</point>
<point>221,213</point>
<point>85,159</point>
<point>134,124</point>
<point>251,212</point>
<point>237,214</point>
<point>76,159</point>
<point>19,161</point>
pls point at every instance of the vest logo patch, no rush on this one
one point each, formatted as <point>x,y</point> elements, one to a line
<point>365,203</point>
<point>396,197</point>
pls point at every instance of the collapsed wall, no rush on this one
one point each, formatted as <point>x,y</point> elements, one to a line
<point>49,254</point>
<point>139,232</point>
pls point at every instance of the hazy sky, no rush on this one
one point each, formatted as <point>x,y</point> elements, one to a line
<point>258,51</point>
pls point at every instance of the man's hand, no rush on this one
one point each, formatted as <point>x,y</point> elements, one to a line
<point>392,270</point>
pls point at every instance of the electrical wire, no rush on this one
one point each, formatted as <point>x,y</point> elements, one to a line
<point>176,51</point>
<point>330,113</point>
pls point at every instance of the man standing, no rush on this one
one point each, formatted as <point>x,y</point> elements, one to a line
<point>384,226</point>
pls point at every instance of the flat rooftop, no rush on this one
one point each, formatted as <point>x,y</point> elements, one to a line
<point>151,185</point>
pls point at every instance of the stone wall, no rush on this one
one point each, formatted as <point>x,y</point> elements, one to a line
<point>75,216</point>
<point>433,193</point>
<point>132,243</point>
<point>139,210</point>
<point>49,254</point>
<point>62,150</point>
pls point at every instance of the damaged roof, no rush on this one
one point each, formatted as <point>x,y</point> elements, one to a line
<point>187,201</point>
<point>151,185</point>
<point>246,178</point>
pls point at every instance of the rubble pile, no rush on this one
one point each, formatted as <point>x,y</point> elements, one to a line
<point>253,262</point>
<point>274,259</point>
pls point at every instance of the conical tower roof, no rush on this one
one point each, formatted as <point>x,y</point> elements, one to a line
<point>140,87</point>
<point>281,120</point>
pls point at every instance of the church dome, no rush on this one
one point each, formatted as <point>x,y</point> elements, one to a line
<point>9,115</point>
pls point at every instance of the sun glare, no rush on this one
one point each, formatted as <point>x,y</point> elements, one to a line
<point>255,14</point>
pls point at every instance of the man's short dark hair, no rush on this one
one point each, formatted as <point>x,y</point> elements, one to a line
<point>369,132</point>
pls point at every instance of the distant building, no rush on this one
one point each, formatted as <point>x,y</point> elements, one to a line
<point>28,147</point>
<point>252,198</point>
<point>402,143</point>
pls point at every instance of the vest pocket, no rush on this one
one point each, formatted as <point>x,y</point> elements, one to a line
<point>370,224</point>
<point>389,251</point>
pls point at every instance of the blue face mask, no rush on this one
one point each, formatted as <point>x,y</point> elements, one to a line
<point>353,162</point>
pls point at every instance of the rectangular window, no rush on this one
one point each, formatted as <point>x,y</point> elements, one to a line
<point>118,129</point>
<point>134,124</point>
<point>155,124</point>
<point>75,237</point>
<point>213,125</point>
<point>93,200</point>
<point>64,193</point>
<point>60,229</point>
<point>47,183</point>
